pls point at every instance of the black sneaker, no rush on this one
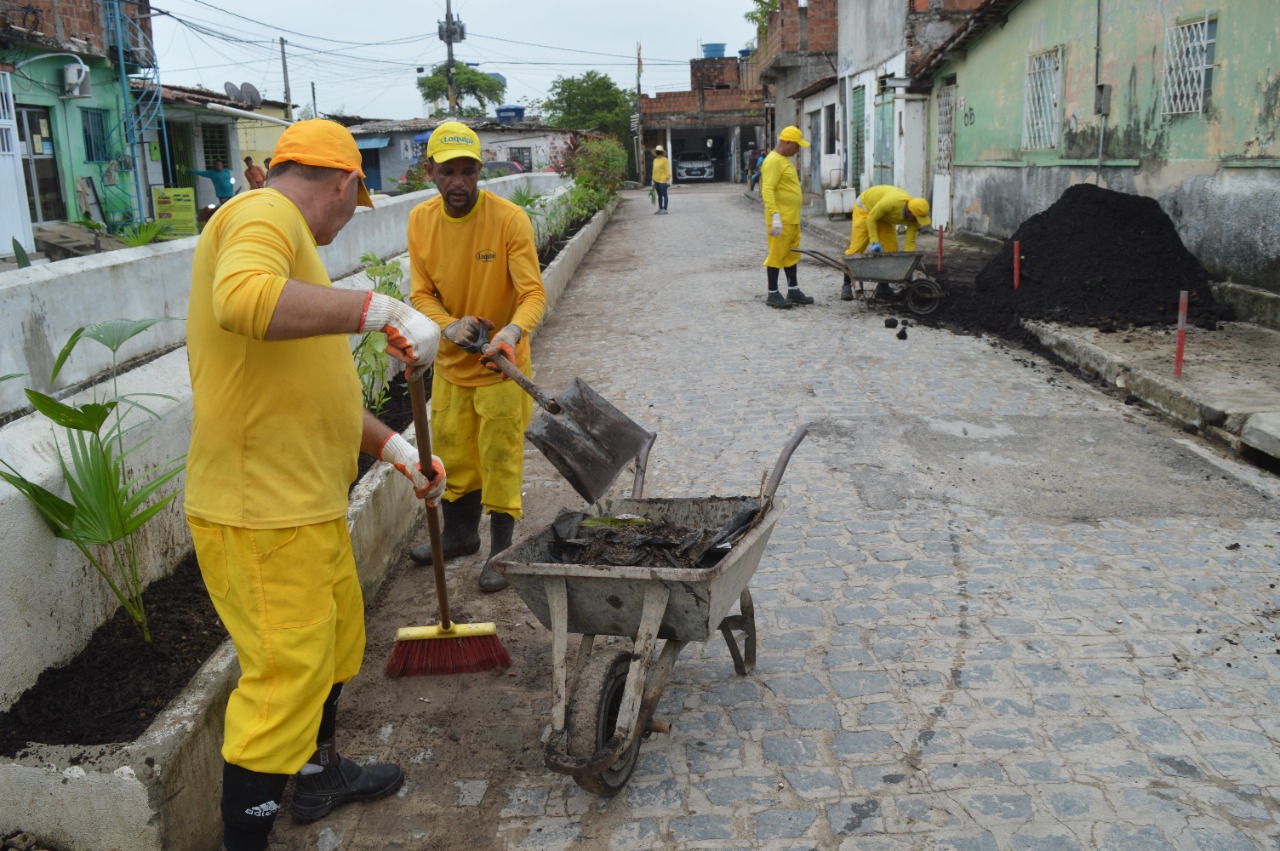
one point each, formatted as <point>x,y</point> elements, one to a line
<point>777,300</point>
<point>315,795</point>
<point>796,296</point>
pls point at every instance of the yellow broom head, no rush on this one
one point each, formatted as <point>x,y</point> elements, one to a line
<point>456,630</point>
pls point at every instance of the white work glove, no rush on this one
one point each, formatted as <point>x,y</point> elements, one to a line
<point>411,337</point>
<point>504,342</point>
<point>403,455</point>
<point>876,248</point>
<point>470,333</point>
<point>776,230</point>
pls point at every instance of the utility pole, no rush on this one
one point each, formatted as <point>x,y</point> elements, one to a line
<point>451,30</point>
<point>314,112</point>
<point>639,119</point>
<point>288,100</point>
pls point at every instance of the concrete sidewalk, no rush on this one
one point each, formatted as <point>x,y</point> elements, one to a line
<point>1229,388</point>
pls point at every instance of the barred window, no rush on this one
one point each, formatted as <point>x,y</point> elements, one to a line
<point>94,122</point>
<point>216,144</point>
<point>945,146</point>
<point>1041,114</point>
<point>1188,66</point>
<point>524,156</point>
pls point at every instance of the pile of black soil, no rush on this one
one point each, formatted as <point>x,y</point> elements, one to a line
<point>1095,258</point>
<point>118,684</point>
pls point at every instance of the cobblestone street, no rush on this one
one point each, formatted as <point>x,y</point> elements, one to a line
<point>1001,610</point>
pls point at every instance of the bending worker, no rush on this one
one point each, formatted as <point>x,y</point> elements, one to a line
<point>879,210</point>
<point>780,191</point>
<point>277,427</point>
<point>474,270</point>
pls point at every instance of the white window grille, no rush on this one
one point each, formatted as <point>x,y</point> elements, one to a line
<point>1188,66</point>
<point>1041,118</point>
<point>945,149</point>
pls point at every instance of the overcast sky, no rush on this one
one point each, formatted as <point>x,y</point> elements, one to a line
<point>363,56</point>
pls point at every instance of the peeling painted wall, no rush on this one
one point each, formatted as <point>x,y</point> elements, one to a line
<point>1213,172</point>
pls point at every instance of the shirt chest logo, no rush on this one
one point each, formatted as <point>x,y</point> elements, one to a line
<point>486,255</point>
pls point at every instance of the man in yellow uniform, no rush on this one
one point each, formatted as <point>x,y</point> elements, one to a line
<point>276,429</point>
<point>474,268</point>
<point>878,211</point>
<point>661,178</point>
<point>780,191</point>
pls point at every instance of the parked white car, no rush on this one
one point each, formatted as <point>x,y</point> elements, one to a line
<point>694,165</point>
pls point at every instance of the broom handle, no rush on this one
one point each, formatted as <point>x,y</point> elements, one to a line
<point>418,401</point>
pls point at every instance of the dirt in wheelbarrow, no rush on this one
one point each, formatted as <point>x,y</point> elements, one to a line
<point>1095,258</point>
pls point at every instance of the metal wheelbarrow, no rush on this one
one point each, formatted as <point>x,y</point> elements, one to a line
<point>903,271</point>
<point>604,699</point>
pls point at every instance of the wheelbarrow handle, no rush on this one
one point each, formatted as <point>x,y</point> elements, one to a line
<point>513,372</point>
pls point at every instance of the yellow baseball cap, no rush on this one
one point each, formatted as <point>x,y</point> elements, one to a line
<point>793,134</point>
<point>920,209</point>
<point>323,143</point>
<point>451,140</point>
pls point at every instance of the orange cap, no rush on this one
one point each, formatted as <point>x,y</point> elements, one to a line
<point>324,143</point>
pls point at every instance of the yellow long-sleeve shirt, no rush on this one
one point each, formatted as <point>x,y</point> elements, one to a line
<point>780,188</point>
<point>885,204</point>
<point>483,264</point>
<point>276,425</point>
<point>661,170</point>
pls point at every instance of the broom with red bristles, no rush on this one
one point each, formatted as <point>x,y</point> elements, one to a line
<point>446,647</point>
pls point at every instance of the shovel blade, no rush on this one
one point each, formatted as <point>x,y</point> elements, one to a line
<point>589,442</point>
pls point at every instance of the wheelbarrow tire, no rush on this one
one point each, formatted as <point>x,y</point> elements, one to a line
<point>592,716</point>
<point>923,296</point>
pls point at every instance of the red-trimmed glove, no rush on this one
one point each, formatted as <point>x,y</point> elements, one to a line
<point>470,333</point>
<point>403,455</point>
<point>503,342</point>
<point>411,337</point>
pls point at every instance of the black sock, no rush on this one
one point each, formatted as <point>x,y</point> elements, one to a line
<point>791,277</point>
<point>326,754</point>
<point>773,278</point>
<point>250,803</point>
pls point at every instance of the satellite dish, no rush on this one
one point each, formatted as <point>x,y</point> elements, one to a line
<point>233,91</point>
<point>250,95</point>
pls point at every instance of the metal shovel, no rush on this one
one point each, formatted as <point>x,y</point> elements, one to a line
<point>583,436</point>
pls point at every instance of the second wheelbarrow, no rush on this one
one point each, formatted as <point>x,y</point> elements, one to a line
<point>903,271</point>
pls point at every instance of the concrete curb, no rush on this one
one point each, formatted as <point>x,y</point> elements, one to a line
<point>161,790</point>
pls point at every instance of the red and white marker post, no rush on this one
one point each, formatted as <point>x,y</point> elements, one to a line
<point>1017,262</point>
<point>1182,333</point>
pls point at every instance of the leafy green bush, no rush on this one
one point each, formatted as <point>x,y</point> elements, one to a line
<point>599,165</point>
<point>415,179</point>
<point>143,233</point>
<point>371,352</point>
<point>107,505</point>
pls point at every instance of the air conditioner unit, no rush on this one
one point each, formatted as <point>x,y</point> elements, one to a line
<point>75,81</point>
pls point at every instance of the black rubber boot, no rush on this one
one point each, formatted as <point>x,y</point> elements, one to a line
<point>461,535</point>
<point>846,291</point>
<point>500,528</point>
<point>315,795</point>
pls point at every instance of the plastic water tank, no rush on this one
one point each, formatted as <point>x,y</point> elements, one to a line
<point>510,114</point>
<point>713,51</point>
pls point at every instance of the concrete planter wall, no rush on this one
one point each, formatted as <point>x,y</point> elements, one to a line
<point>160,791</point>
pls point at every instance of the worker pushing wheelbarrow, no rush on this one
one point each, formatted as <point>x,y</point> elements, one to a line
<point>657,573</point>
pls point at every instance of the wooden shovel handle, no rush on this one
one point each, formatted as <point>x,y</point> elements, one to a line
<point>513,372</point>
<point>418,401</point>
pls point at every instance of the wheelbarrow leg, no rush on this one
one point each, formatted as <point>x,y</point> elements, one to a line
<point>746,624</point>
<point>656,595</point>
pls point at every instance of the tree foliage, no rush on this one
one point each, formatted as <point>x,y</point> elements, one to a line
<point>592,101</point>
<point>469,82</point>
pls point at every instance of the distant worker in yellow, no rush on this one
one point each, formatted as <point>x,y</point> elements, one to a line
<point>876,216</point>
<point>782,197</point>
<point>661,178</point>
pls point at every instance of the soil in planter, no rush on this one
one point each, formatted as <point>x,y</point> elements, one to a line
<point>118,684</point>
<point>548,253</point>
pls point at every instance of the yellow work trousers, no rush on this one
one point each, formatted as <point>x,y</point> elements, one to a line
<point>478,432</point>
<point>780,254</point>
<point>859,239</point>
<point>290,598</point>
